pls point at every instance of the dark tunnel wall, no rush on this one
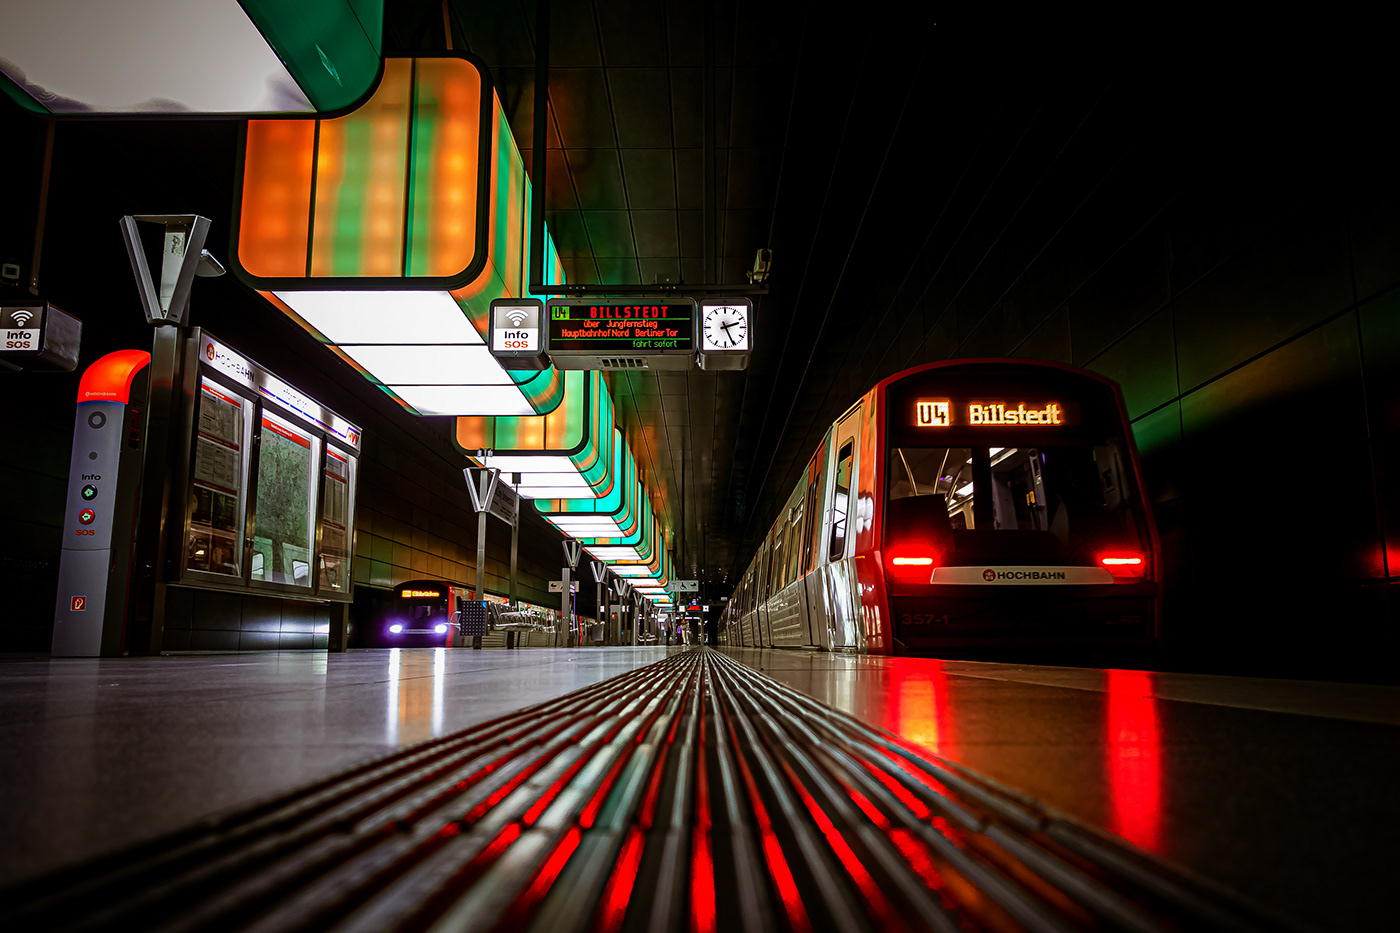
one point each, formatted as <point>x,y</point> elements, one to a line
<point>1257,341</point>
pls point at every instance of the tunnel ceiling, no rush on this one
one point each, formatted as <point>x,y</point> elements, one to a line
<point>923,186</point>
<point>927,191</point>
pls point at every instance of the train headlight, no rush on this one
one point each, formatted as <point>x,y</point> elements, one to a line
<point>440,628</point>
<point>395,629</point>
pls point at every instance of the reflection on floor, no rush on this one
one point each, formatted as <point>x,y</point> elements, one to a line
<point>1281,789</point>
<point>107,752</point>
<point>1278,789</point>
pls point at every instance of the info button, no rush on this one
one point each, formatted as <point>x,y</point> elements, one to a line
<point>89,492</point>
<point>86,517</point>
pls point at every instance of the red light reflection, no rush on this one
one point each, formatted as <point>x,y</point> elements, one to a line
<point>1134,750</point>
<point>920,705</point>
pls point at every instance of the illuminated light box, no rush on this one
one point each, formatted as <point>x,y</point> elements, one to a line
<point>195,58</point>
<point>448,400</point>
<point>395,225</point>
<point>427,365</point>
<point>569,453</point>
<point>383,317</point>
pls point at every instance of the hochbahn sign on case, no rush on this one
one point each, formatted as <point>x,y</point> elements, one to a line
<point>632,333</point>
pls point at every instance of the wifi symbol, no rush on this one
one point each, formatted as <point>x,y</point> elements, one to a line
<point>21,317</point>
<point>516,315</point>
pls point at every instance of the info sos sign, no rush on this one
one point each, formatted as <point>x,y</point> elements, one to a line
<point>515,333</point>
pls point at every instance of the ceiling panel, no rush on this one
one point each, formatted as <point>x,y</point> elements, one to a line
<point>650,178</point>
<point>641,103</point>
<point>656,234</point>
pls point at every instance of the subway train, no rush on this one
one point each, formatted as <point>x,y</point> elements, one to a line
<point>417,614</point>
<point>962,506</point>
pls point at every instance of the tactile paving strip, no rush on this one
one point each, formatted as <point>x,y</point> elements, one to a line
<point>694,794</point>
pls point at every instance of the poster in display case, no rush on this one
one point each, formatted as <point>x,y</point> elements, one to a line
<point>271,483</point>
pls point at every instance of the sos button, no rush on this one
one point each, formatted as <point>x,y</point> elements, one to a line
<point>86,517</point>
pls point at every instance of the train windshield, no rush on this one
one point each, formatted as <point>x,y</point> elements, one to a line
<point>1047,504</point>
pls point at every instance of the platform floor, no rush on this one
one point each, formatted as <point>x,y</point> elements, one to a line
<point>1282,790</point>
<point>103,753</point>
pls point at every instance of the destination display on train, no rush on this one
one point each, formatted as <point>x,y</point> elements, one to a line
<point>596,327</point>
<point>944,413</point>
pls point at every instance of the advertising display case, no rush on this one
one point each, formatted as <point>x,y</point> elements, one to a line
<point>270,483</point>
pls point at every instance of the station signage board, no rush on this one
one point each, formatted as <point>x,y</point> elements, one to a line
<point>683,586</point>
<point>633,333</point>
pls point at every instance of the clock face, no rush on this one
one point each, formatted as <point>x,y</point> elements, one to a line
<point>726,328</point>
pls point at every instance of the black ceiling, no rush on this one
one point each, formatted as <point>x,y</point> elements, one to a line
<point>930,187</point>
<point>927,190</point>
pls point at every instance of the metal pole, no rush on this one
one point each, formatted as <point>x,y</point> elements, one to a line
<point>539,160</point>
<point>564,607</point>
<point>157,468</point>
<point>515,544</point>
<point>480,565</point>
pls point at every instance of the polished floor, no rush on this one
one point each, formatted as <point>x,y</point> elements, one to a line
<point>1281,790</point>
<point>103,753</point>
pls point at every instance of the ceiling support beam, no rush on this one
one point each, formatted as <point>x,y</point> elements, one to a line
<point>707,92</point>
<point>540,158</point>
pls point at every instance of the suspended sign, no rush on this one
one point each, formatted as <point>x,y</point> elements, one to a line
<point>516,341</point>
<point>39,337</point>
<point>638,334</point>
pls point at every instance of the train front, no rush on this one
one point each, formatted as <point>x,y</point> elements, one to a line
<point>1013,512</point>
<point>418,616</point>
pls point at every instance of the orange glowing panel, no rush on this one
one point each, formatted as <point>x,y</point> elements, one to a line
<point>276,213</point>
<point>361,183</point>
<point>446,163</point>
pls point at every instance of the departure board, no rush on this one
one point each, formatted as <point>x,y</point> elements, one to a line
<point>637,327</point>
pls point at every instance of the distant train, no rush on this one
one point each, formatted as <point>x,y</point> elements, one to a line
<point>960,505</point>
<point>419,614</point>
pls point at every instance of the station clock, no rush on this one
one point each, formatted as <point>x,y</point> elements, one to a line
<point>726,333</point>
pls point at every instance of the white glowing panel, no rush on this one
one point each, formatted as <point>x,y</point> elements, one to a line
<point>144,56</point>
<point>552,492</point>
<point>590,531</point>
<point>631,570</point>
<point>541,464</point>
<point>356,317</point>
<point>613,553</point>
<point>573,480</point>
<point>429,365</point>
<point>464,400</point>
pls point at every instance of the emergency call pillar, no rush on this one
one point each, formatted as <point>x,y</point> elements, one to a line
<point>99,519</point>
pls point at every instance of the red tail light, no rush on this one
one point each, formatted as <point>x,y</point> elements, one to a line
<point>912,564</point>
<point>1124,565</point>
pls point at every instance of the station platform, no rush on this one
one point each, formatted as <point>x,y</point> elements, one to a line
<point>687,789</point>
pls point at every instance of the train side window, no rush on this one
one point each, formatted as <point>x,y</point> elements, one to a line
<point>840,502</point>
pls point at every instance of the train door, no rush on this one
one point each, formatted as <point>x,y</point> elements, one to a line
<point>840,527</point>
